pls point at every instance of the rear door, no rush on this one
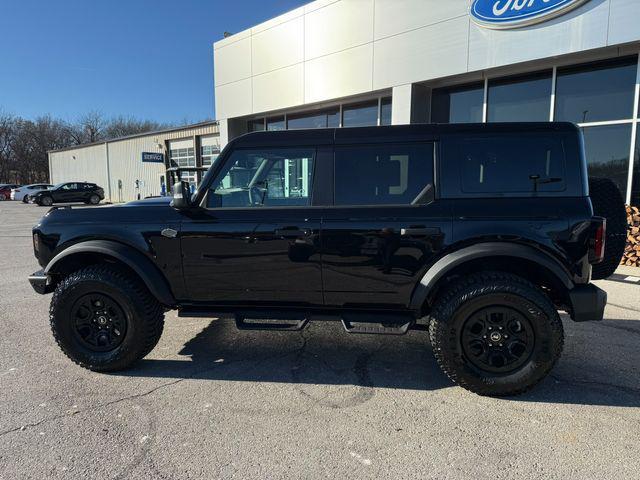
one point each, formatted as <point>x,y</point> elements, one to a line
<point>386,226</point>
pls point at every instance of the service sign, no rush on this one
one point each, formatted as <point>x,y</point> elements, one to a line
<point>519,13</point>
<point>153,157</point>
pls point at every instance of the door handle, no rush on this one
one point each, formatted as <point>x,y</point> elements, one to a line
<point>419,231</point>
<point>291,233</point>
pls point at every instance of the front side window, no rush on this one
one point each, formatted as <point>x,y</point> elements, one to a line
<point>69,186</point>
<point>399,174</point>
<point>257,178</point>
<point>501,165</point>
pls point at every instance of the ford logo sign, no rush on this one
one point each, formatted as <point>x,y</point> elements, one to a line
<point>518,13</point>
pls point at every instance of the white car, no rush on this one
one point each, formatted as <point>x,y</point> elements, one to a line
<point>25,191</point>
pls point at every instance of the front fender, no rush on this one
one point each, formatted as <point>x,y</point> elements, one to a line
<point>138,262</point>
<point>489,249</point>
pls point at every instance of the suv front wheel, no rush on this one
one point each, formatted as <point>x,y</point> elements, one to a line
<point>104,318</point>
<point>495,334</point>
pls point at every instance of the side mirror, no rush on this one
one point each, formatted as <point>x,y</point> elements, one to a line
<point>181,195</point>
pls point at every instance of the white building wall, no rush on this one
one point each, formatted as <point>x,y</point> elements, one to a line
<point>106,163</point>
<point>331,49</point>
<point>79,164</point>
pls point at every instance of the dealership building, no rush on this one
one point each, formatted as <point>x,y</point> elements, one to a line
<point>348,63</point>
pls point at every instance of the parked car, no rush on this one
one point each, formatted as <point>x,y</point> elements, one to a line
<point>24,192</point>
<point>482,232</point>
<point>69,192</point>
<point>5,190</point>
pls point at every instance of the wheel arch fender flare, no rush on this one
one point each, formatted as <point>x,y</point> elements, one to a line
<point>148,272</point>
<point>454,259</point>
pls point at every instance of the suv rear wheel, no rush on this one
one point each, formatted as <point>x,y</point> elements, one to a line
<point>94,199</point>
<point>495,334</point>
<point>104,318</point>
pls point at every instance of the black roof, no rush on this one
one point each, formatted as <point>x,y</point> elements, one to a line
<point>328,136</point>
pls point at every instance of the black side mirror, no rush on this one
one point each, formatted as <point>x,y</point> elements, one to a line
<point>181,195</point>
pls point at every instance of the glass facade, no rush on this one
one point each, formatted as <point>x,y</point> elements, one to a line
<point>276,123</point>
<point>360,114</point>
<point>520,99</point>
<point>385,111</point>
<point>607,148</point>
<point>458,105</point>
<point>598,96</point>
<point>324,119</point>
<point>596,92</point>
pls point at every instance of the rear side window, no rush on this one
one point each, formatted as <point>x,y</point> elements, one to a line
<point>397,174</point>
<point>513,164</point>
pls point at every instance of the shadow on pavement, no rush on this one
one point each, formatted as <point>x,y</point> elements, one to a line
<point>323,354</point>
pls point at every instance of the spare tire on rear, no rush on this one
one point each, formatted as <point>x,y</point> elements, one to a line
<point>607,202</point>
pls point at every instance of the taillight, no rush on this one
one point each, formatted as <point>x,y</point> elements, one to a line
<point>598,242</point>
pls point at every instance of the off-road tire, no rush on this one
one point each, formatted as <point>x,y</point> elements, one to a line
<point>145,317</point>
<point>607,202</point>
<point>451,311</point>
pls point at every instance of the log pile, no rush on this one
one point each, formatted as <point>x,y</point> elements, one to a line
<point>631,255</point>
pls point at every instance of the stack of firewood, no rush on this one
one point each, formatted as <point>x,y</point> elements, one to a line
<point>632,250</point>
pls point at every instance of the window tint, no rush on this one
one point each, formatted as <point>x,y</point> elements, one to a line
<point>256,178</point>
<point>276,123</point>
<point>510,164</point>
<point>360,115</point>
<point>329,118</point>
<point>458,105</point>
<point>607,150</point>
<point>382,175</point>
<point>255,125</point>
<point>520,99</point>
<point>596,92</point>
<point>385,111</point>
<point>69,186</point>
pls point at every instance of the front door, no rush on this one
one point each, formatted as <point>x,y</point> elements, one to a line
<point>386,226</point>
<point>256,241</point>
<point>66,193</point>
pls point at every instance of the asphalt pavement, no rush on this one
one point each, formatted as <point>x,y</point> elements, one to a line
<point>213,402</point>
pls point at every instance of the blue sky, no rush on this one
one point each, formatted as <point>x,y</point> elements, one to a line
<point>151,59</point>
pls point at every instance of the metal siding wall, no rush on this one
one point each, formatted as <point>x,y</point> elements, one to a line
<point>125,163</point>
<point>89,164</point>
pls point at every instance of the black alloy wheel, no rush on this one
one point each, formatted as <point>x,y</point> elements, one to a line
<point>497,339</point>
<point>100,324</point>
<point>46,201</point>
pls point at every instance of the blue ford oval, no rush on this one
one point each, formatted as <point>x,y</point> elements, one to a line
<point>518,13</point>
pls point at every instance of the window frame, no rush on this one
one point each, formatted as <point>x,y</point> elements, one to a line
<point>435,142</point>
<point>313,183</point>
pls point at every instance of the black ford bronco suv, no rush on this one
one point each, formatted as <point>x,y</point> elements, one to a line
<point>478,233</point>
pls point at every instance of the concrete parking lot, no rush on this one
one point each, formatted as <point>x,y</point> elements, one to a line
<point>213,402</point>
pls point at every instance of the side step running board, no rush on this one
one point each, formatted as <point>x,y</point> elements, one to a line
<point>387,325</point>
<point>284,321</point>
